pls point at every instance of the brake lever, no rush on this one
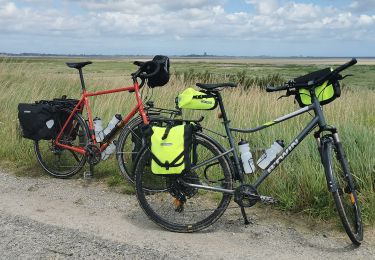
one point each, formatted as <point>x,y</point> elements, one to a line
<point>349,75</point>
<point>289,92</point>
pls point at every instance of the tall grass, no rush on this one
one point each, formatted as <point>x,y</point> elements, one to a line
<point>299,182</point>
<point>241,77</point>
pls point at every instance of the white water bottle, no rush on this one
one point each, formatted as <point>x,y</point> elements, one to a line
<point>270,154</point>
<point>98,128</point>
<point>108,151</point>
<point>112,124</point>
<point>246,157</point>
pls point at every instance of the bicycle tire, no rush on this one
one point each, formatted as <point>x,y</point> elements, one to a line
<point>171,218</point>
<point>59,162</point>
<point>125,148</point>
<point>345,194</point>
<point>128,146</point>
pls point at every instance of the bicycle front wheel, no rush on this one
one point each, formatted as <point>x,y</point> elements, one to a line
<point>128,146</point>
<point>60,162</point>
<point>343,190</point>
<point>177,207</point>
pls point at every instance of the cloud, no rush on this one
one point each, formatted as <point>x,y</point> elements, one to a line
<point>264,6</point>
<point>183,20</point>
<point>363,6</point>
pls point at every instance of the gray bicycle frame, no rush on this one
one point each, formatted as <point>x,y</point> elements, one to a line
<point>318,120</point>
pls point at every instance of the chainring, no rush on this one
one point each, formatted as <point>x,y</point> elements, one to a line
<point>246,196</point>
<point>93,154</point>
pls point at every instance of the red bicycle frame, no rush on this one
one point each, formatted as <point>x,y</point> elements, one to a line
<point>84,101</point>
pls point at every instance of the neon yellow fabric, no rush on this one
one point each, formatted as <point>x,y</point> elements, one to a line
<point>168,149</point>
<point>323,93</point>
<point>186,100</point>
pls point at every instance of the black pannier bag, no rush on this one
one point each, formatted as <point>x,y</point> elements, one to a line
<point>44,119</point>
<point>162,77</point>
<point>137,143</point>
<point>37,121</point>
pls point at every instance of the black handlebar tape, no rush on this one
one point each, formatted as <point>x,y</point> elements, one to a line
<point>152,73</point>
<point>346,65</point>
<point>304,85</point>
<point>277,88</point>
<point>230,84</point>
<point>139,63</point>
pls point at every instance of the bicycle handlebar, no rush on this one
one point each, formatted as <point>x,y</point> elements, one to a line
<point>277,88</point>
<point>346,65</point>
<point>293,84</point>
<point>146,66</point>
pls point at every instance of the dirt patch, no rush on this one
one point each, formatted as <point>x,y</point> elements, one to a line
<point>62,218</point>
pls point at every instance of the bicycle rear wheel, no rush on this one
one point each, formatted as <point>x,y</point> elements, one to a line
<point>57,161</point>
<point>344,190</point>
<point>177,207</point>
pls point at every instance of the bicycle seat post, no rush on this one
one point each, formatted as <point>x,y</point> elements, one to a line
<point>81,78</point>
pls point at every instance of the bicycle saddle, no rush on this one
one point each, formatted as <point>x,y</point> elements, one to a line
<point>215,86</point>
<point>78,65</point>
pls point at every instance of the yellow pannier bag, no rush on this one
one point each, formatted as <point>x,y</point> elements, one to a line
<point>171,149</point>
<point>193,99</point>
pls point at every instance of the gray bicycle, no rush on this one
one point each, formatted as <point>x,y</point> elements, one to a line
<point>196,198</point>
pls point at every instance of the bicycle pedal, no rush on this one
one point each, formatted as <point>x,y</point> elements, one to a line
<point>268,200</point>
<point>87,175</point>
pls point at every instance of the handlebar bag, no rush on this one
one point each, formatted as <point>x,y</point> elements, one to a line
<point>326,93</point>
<point>197,100</point>
<point>171,148</point>
<point>37,121</point>
<point>162,76</point>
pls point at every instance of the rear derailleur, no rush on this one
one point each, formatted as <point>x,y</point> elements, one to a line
<point>181,192</point>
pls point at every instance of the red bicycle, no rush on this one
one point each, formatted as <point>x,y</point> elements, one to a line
<point>78,140</point>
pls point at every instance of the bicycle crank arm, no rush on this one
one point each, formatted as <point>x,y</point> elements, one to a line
<point>268,200</point>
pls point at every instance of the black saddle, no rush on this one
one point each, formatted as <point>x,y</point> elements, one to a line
<point>215,86</point>
<point>78,65</point>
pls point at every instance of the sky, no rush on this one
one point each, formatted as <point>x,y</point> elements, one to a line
<point>181,27</point>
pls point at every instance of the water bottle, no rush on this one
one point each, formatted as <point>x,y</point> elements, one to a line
<point>108,151</point>
<point>98,128</point>
<point>112,124</point>
<point>270,154</point>
<point>246,157</point>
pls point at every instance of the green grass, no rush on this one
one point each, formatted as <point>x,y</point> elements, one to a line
<point>299,182</point>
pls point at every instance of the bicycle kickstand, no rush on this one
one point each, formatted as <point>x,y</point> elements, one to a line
<point>87,175</point>
<point>247,222</point>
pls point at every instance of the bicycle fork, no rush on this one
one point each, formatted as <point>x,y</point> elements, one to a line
<point>322,143</point>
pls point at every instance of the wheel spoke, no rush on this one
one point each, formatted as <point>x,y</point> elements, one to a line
<point>199,208</point>
<point>60,162</point>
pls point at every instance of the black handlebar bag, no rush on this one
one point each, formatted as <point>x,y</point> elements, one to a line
<point>162,76</point>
